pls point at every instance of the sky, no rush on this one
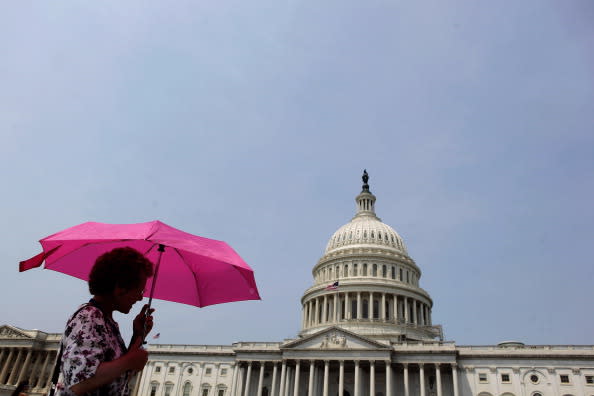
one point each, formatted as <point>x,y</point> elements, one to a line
<point>251,122</point>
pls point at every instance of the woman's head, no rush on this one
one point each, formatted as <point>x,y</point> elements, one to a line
<point>122,273</point>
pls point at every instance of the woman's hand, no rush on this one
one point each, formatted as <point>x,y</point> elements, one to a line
<point>143,323</point>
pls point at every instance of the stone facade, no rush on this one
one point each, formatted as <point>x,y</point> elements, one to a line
<point>26,355</point>
<point>366,330</point>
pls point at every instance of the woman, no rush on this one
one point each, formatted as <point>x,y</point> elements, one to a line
<point>95,360</point>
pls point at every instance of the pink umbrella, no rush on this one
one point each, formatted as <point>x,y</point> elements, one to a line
<point>189,269</point>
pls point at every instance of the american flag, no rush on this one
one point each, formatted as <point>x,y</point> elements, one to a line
<point>156,336</point>
<point>333,286</point>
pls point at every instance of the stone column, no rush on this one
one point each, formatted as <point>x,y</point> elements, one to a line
<point>297,370</point>
<point>248,378</point>
<point>55,361</point>
<point>455,378</point>
<point>288,381</point>
<point>347,307</point>
<point>317,311</point>
<point>2,361</point>
<point>283,379</point>
<point>13,373</point>
<point>372,377</point>
<point>383,309</point>
<point>303,316</point>
<point>406,387</point>
<point>438,379</point>
<point>370,306</point>
<point>335,316</point>
<point>415,317</point>
<point>25,367</point>
<point>357,379</point>
<point>388,378</point>
<point>326,372</point>
<point>310,390</point>
<point>5,366</point>
<point>358,305</point>
<point>395,297</point>
<point>260,379</point>
<point>325,310</point>
<point>35,369</point>
<point>233,380</point>
<point>43,370</point>
<point>406,309</point>
<point>422,379</point>
<point>274,373</point>
<point>341,379</point>
<point>240,378</point>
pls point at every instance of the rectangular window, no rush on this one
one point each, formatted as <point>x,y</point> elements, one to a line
<point>590,379</point>
<point>223,372</point>
<point>157,369</point>
<point>482,378</point>
<point>208,371</point>
<point>153,389</point>
<point>171,370</point>
<point>168,389</point>
<point>505,378</point>
<point>564,379</point>
<point>221,392</point>
<point>205,392</point>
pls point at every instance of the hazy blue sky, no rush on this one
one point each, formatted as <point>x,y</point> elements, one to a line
<point>251,122</point>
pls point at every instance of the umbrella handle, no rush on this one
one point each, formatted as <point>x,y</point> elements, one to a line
<point>161,249</point>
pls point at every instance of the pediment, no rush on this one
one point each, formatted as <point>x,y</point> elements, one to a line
<point>335,338</point>
<point>7,331</point>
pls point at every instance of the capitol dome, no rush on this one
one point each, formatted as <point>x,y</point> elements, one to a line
<point>365,228</point>
<point>367,283</point>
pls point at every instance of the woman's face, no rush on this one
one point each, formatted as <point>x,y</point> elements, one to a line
<point>126,298</point>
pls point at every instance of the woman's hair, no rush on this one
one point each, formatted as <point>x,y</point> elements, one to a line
<point>123,267</point>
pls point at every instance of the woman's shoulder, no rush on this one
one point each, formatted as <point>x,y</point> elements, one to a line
<point>87,312</point>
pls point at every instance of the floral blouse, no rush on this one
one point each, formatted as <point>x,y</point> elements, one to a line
<point>90,339</point>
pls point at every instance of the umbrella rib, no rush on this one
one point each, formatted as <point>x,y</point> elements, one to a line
<point>193,274</point>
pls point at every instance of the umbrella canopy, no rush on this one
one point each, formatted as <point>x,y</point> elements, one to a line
<point>193,270</point>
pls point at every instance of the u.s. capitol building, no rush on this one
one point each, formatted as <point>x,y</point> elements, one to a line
<point>366,330</point>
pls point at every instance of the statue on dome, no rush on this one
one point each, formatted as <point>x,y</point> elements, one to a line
<point>365,179</point>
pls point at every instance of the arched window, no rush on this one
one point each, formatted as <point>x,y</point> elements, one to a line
<point>221,390</point>
<point>393,272</point>
<point>154,388</point>
<point>168,388</point>
<point>187,389</point>
<point>384,271</point>
<point>355,269</point>
<point>374,273</point>
<point>364,269</point>
<point>204,390</point>
<point>345,271</point>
